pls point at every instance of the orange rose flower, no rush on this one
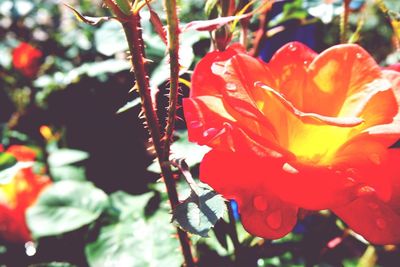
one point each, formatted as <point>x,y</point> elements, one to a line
<point>303,131</point>
<point>26,59</point>
<point>18,195</point>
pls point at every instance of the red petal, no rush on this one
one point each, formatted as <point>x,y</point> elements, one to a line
<point>209,123</point>
<point>204,82</point>
<point>22,153</point>
<point>376,220</point>
<point>263,213</point>
<point>337,74</point>
<point>387,132</point>
<point>289,64</point>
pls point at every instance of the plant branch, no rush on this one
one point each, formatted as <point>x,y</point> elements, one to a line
<point>133,34</point>
<point>344,21</point>
<point>260,35</point>
<point>173,51</point>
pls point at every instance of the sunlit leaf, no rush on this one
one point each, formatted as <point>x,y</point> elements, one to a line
<point>6,161</point>
<point>9,167</point>
<point>86,19</point>
<point>65,206</point>
<point>200,212</point>
<point>68,172</point>
<point>136,243</point>
<point>213,24</point>
<point>64,156</point>
<point>110,39</point>
<point>131,104</point>
<point>182,148</point>
<point>129,206</point>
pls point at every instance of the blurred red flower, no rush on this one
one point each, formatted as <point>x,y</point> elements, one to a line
<point>304,131</point>
<point>26,59</point>
<point>395,67</point>
<point>18,195</point>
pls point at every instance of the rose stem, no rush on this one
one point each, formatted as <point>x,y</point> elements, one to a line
<point>173,50</point>
<point>133,33</point>
<point>260,34</point>
<point>344,21</point>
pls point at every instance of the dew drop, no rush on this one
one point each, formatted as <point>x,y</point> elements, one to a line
<point>210,132</point>
<point>351,171</point>
<point>365,191</point>
<point>260,203</point>
<point>350,182</point>
<point>359,55</point>
<point>196,124</point>
<point>305,62</point>
<point>230,87</point>
<point>375,159</point>
<point>381,223</point>
<point>292,47</point>
<point>274,220</point>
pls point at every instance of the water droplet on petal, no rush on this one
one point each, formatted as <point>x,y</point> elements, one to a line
<point>210,132</point>
<point>365,191</point>
<point>351,171</point>
<point>196,124</point>
<point>274,219</point>
<point>350,182</point>
<point>381,223</point>
<point>305,62</point>
<point>292,47</point>
<point>359,55</point>
<point>375,159</point>
<point>230,87</point>
<point>260,203</point>
<point>289,168</point>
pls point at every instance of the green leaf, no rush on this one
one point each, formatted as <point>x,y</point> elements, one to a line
<point>186,56</point>
<point>65,206</point>
<point>110,39</point>
<point>183,148</point>
<point>129,205</point>
<point>9,167</point>
<point>209,6</point>
<point>136,243</point>
<point>85,19</point>
<point>129,105</point>
<point>68,173</point>
<point>199,213</point>
<point>64,156</point>
<point>6,161</point>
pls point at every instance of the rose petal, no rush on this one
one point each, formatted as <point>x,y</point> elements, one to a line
<point>204,82</point>
<point>209,123</point>
<point>376,220</point>
<point>340,71</point>
<point>263,213</point>
<point>289,65</point>
<point>366,159</point>
<point>388,132</point>
<point>22,153</point>
<point>291,127</point>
